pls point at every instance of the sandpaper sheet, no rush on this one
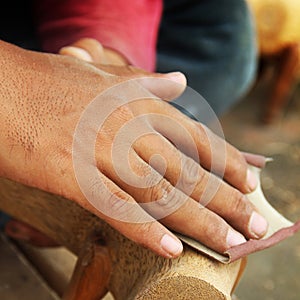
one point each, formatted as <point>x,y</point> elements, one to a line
<point>279,229</point>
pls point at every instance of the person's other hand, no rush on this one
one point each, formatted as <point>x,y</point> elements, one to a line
<point>91,50</point>
<point>40,110</point>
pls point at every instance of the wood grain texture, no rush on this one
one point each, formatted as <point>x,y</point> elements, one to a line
<point>136,273</point>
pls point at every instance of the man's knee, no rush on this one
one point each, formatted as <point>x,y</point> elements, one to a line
<point>217,51</point>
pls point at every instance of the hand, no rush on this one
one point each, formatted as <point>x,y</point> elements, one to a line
<point>91,50</point>
<point>40,111</point>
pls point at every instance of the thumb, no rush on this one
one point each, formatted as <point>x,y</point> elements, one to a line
<point>87,49</point>
<point>92,50</point>
<point>165,86</point>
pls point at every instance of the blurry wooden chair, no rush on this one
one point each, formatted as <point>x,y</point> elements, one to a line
<point>278,34</point>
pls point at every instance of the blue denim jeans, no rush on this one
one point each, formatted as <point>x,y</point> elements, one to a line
<point>213,43</point>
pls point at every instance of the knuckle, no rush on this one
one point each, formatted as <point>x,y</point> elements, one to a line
<point>191,175</point>
<point>166,198</point>
<point>234,171</point>
<point>124,112</point>
<point>202,132</point>
<point>238,166</point>
<point>160,191</point>
<point>109,199</point>
<point>143,232</point>
<point>238,202</point>
<point>118,203</point>
<point>214,225</point>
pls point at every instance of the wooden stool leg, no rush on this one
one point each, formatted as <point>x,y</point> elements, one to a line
<point>91,274</point>
<point>284,81</point>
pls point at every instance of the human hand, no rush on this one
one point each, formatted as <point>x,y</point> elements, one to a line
<point>40,115</point>
<point>91,50</point>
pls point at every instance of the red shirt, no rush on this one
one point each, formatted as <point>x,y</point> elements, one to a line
<point>128,26</point>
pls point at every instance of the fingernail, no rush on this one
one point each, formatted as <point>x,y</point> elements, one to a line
<point>78,52</point>
<point>177,77</point>
<point>251,180</point>
<point>234,238</point>
<point>258,225</point>
<point>171,245</point>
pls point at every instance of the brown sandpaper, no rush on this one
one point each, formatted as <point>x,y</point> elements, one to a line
<point>279,229</point>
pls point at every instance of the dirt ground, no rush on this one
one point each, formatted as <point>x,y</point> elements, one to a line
<point>272,274</point>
